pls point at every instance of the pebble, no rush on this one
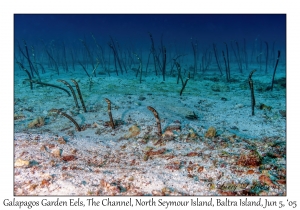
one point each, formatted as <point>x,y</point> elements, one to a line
<point>211,132</point>
<point>239,106</point>
<point>61,140</point>
<point>283,113</point>
<point>141,98</point>
<point>133,131</point>
<point>56,152</point>
<point>20,163</point>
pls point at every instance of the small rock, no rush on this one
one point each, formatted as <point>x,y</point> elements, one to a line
<point>211,132</point>
<point>61,140</point>
<point>68,157</point>
<point>239,106</point>
<point>44,183</point>
<point>166,191</point>
<point>56,152</point>
<point>74,151</point>
<point>252,159</point>
<point>141,98</point>
<point>175,127</point>
<point>220,88</point>
<point>250,171</point>
<point>192,134</point>
<point>168,133</point>
<point>133,131</point>
<point>192,116</point>
<point>216,88</point>
<point>145,157</point>
<point>263,193</point>
<point>234,128</point>
<point>192,154</point>
<point>32,187</point>
<point>43,148</point>
<point>20,163</point>
<point>37,122</point>
<point>266,180</point>
<point>46,176</point>
<point>95,125</point>
<point>131,178</point>
<point>50,146</point>
<point>18,117</point>
<point>98,131</point>
<point>157,152</point>
<point>265,107</point>
<point>281,181</point>
<point>52,163</point>
<point>157,193</point>
<point>283,113</point>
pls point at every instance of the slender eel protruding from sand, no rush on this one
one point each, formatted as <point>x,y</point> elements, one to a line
<point>79,93</point>
<point>67,116</point>
<point>140,67</point>
<point>72,90</point>
<point>278,56</point>
<point>41,83</point>
<point>109,113</point>
<point>252,91</point>
<point>183,86</point>
<point>46,84</point>
<point>157,120</point>
<point>179,71</point>
<point>27,72</point>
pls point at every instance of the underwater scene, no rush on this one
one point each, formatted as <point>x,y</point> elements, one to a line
<point>150,104</point>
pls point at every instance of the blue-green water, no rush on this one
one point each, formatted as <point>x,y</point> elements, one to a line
<point>192,69</point>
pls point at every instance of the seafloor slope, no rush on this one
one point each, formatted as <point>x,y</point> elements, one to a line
<point>211,144</point>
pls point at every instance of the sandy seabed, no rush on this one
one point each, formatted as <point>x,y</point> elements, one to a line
<point>211,144</point>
